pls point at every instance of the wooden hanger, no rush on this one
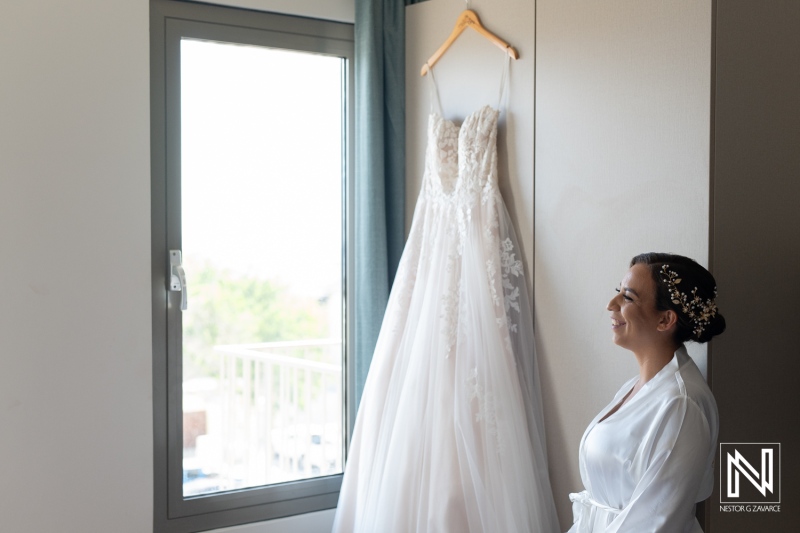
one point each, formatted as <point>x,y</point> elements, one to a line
<point>468,18</point>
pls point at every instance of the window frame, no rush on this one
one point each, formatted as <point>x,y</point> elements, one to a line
<point>169,22</point>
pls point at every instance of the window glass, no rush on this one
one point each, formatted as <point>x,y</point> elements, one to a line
<point>262,247</point>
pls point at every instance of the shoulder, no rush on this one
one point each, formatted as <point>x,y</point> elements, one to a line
<point>686,392</point>
<point>679,385</point>
<point>693,385</point>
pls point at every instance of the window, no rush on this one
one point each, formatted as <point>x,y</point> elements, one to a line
<point>250,150</point>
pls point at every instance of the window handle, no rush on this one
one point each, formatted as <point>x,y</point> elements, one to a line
<point>177,278</point>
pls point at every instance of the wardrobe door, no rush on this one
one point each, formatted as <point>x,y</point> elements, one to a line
<point>756,259</point>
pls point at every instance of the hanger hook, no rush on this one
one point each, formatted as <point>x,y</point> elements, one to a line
<point>467,2</point>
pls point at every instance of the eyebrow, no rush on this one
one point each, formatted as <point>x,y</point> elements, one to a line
<point>628,289</point>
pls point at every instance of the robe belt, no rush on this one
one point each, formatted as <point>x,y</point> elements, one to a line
<point>584,508</point>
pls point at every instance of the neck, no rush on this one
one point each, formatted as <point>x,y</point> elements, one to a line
<point>652,361</point>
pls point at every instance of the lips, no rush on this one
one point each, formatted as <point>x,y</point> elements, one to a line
<point>617,323</point>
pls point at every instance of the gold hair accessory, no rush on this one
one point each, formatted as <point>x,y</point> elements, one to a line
<point>698,310</point>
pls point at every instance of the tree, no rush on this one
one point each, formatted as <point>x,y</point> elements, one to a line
<point>229,308</point>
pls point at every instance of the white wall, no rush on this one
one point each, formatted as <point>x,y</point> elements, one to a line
<point>622,167</point>
<point>75,380</point>
<point>339,10</point>
<point>75,326</point>
<point>319,522</point>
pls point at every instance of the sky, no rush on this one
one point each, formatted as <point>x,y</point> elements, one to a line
<point>261,163</point>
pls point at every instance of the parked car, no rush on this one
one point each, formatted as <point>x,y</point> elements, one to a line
<point>309,448</point>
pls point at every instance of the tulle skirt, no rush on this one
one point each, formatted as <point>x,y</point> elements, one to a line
<point>449,434</point>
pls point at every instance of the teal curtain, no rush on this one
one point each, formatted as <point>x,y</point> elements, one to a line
<point>379,169</point>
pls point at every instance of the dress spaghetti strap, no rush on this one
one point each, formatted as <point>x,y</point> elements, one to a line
<point>435,101</point>
<point>502,97</point>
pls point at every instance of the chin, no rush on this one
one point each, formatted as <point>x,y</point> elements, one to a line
<point>619,342</point>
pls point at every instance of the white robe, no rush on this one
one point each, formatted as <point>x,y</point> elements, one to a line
<point>645,466</point>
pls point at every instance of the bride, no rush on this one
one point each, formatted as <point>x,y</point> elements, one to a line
<point>648,457</point>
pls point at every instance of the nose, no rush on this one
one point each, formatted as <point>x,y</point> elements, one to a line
<point>613,305</point>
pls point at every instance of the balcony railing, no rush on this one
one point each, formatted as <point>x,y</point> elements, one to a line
<point>274,415</point>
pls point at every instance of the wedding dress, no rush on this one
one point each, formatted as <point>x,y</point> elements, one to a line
<point>449,435</point>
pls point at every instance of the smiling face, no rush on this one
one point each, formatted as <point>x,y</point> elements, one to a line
<point>635,322</point>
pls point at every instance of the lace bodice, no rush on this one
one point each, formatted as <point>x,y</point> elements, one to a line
<point>461,161</point>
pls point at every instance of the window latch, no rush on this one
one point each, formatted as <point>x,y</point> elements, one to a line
<point>177,278</point>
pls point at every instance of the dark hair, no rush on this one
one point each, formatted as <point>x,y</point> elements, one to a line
<point>693,283</point>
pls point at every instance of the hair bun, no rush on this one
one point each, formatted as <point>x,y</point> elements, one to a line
<point>688,289</point>
<point>715,327</point>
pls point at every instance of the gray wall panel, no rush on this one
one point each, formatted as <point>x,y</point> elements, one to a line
<point>756,241</point>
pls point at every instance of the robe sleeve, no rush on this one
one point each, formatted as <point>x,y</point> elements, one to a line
<point>677,451</point>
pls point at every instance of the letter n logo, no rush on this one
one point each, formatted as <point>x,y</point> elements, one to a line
<point>750,473</point>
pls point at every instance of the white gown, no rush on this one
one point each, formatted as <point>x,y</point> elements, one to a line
<point>645,466</point>
<point>449,434</point>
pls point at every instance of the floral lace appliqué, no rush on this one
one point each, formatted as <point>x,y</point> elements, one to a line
<point>450,305</point>
<point>511,267</point>
<point>486,412</point>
